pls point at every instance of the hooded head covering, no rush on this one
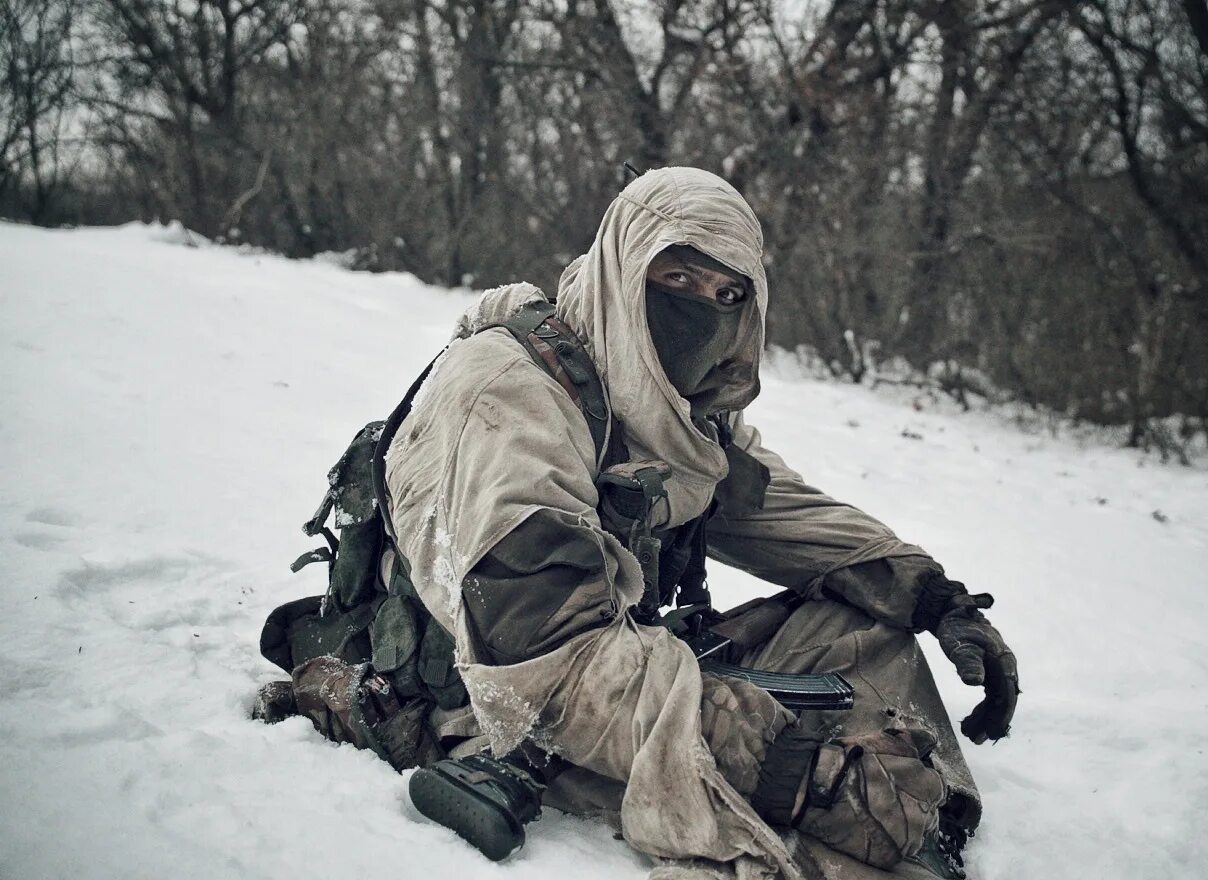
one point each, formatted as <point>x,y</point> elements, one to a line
<point>602,295</point>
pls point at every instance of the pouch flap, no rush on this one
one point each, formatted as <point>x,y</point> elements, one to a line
<point>394,636</point>
<point>274,637</point>
<point>352,478</point>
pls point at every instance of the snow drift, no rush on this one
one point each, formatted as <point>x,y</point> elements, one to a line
<point>167,416</point>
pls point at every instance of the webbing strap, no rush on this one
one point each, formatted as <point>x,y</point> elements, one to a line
<point>556,349</point>
<point>549,360</point>
<point>693,588</point>
<point>383,446</point>
<point>645,546</point>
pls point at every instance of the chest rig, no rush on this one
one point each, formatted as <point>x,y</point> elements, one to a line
<point>672,560</point>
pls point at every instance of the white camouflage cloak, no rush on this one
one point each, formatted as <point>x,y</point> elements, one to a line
<point>492,438</point>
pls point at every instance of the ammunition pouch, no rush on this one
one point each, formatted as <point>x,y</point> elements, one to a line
<point>628,493</point>
<point>304,629</point>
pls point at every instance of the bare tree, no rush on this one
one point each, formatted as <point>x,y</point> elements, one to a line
<point>1156,95</point>
<point>178,73</point>
<point>978,52</point>
<point>37,69</point>
<point>1009,191</point>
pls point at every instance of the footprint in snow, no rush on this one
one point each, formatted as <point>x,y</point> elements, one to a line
<point>52,516</point>
<point>38,540</point>
<point>92,577</point>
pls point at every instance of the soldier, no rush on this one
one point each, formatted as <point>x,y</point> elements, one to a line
<point>561,475</point>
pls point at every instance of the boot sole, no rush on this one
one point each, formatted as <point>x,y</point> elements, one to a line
<point>449,801</point>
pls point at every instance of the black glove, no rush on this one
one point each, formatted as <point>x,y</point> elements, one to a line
<point>976,649</point>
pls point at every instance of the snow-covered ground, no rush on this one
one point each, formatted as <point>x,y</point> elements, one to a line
<point>167,418</point>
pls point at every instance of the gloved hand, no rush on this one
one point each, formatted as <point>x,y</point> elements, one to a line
<point>982,658</point>
<point>976,649</point>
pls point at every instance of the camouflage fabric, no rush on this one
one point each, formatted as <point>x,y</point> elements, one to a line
<point>887,799</point>
<point>352,704</point>
<point>493,441</point>
<point>356,517</point>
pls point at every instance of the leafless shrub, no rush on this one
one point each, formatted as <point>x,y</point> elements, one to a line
<point>1008,196</point>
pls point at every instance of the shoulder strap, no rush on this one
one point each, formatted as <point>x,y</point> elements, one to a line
<point>556,349</point>
<point>383,446</point>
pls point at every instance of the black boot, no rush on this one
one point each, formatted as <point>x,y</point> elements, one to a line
<point>485,800</point>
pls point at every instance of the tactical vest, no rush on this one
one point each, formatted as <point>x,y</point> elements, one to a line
<point>372,612</point>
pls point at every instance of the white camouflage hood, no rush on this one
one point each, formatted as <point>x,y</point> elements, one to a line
<point>602,296</point>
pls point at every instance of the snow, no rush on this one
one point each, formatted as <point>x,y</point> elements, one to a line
<point>169,414</point>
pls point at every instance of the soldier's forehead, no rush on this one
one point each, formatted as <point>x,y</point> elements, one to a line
<point>690,255</point>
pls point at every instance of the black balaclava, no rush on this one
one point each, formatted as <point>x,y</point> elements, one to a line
<point>691,333</point>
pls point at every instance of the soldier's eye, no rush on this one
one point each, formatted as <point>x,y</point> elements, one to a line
<point>728,296</point>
